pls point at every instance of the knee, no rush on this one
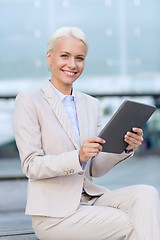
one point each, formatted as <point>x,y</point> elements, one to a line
<point>146,192</point>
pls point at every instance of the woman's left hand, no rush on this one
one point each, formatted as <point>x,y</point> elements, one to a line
<point>135,139</point>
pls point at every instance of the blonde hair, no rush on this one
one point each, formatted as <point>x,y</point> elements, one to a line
<point>66,31</point>
<point>63,32</point>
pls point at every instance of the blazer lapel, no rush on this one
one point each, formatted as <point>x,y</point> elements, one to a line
<point>82,116</point>
<point>60,112</point>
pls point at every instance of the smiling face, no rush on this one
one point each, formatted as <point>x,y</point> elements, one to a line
<point>67,61</point>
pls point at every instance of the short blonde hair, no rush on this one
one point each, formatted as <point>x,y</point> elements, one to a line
<point>66,31</point>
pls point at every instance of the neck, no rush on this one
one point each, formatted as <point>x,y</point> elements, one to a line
<point>66,90</point>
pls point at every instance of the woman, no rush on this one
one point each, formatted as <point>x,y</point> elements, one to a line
<point>56,132</point>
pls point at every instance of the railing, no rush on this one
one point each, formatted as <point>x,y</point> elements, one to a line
<point>7,96</point>
<point>155,96</point>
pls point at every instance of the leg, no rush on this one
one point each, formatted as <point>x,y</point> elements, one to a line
<point>88,223</point>
<point>142,205</point>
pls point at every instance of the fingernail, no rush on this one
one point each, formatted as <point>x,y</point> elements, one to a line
<point>104,141</point>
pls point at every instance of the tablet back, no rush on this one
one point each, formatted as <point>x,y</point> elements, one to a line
<point>130,114</point>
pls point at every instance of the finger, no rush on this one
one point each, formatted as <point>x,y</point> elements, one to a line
<point>132,146</point>
<point>132,143</point>
<point>94,149</point>
<point>129,147</point>
<point>90,154</point>
<point>96,140</point>
<point>133,139</point>
<point>91,149</point>
<point>94,145</point>
<point>134,136</point>
<point>139,131</point>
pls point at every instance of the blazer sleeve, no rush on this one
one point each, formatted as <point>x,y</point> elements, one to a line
<point>104,162</point>
<point>35,163</point>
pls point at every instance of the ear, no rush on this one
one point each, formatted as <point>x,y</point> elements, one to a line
<point>48,57</point>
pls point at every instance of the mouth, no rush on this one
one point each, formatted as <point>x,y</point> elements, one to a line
<point>69,73</point>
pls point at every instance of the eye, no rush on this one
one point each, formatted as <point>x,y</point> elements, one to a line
<point>80,58</point>
<point>64,55</point>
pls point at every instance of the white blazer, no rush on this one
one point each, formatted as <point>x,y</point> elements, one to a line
<point>48,149</point>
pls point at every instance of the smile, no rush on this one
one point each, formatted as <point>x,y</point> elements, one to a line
<point>69,73</point>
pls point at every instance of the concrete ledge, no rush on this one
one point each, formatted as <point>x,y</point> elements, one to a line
<point>16,225</point>
<point>19,237</point>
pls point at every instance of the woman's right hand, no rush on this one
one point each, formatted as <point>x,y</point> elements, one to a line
<point>90,148</point>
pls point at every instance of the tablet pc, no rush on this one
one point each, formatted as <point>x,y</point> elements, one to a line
<point>130,114</point>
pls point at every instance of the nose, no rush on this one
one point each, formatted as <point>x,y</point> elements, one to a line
<point>72,63</point>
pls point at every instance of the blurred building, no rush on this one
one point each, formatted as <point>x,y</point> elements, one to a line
<point>124,49</point>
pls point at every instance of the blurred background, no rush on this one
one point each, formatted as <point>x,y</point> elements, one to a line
<point>123,62</point>
<point>123,59</point>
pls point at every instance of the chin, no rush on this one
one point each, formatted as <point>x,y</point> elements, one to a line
<point>70,81</point>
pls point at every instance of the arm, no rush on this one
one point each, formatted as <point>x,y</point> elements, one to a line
<point>104,162</point>
<point>35,163</point>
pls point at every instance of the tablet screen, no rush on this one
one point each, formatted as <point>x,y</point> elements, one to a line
<point>130,114</point>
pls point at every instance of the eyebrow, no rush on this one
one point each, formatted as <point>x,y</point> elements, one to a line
<point>82,55</point>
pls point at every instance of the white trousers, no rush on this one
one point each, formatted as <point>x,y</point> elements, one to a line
<point>130,213</point>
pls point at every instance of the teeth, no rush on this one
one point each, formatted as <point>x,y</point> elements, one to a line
<point>70,73</point>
